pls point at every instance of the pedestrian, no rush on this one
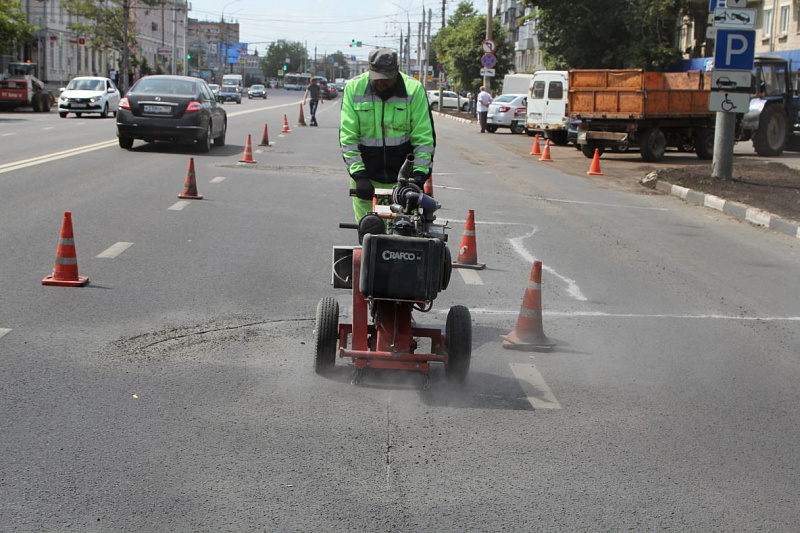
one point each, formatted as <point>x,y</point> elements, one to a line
<point>470,103</point>
<point>484,99</point>
<point>313,91</point>
<point>385,117</point>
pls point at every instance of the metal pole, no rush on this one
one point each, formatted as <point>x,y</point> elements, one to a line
<point>174,35</point>
<point>488,36</point>
<point>724,138</point>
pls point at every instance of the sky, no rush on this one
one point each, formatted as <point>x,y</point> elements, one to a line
<point>326,25</point>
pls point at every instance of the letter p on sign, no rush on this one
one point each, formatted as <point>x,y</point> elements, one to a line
<point>735,49</point>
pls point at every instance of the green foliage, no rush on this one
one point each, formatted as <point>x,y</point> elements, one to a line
<point>459,46</point>
<point>609,33</point>
<point>144,67</point>
<point>103,23</point>
<point>14,28</point>
<point>277,54</point>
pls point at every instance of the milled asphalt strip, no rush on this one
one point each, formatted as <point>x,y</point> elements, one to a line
<point>752,215</point>
<point>17,165</point>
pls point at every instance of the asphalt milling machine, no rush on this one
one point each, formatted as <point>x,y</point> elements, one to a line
<point>401,266</point>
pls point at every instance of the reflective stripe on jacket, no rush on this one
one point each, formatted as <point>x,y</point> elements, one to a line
<point>376,135</point>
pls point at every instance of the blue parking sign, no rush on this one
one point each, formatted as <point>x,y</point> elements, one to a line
<point>735,49</point>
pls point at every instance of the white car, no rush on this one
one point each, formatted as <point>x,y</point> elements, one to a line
<point>449,100</point>
<point>89,94</point>
<point>507,111</point>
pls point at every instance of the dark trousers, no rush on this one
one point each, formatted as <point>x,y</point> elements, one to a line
<point>482,115</point>
<point>313,106</point>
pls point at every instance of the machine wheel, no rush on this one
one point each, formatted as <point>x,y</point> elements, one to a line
<point>46,103</point>
<point>770,138</point>
<point>205,142</point>
<point>465,107</point>
<point>588,148</point>
<point>704,143</point>
<point>434,106</point>
<point>653,146</point>
<point>621,147</point>
<point>220,141</point>
<point>458,339</point>
<point>104,113</point>
<point>62,115</point>
<point>560,138</point>
<point>125,142</point>
<point>517,128</point>
<point>491,129</point>
<point>78,115</point>
<point>36,103</point>
<point>326,329</point>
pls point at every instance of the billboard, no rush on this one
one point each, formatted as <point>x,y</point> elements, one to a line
<point>233,52</point>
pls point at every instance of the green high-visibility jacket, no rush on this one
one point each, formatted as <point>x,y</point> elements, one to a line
<point>376,135</point>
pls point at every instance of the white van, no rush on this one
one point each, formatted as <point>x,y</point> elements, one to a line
<point>233,79</point>
<point>548,110</point>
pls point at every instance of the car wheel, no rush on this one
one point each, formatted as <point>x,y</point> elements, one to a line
<point>491,129</point>
<point>62,114</point>
<point>434,106</point>
<point>220,141</point>
<point>517,128</point>
<point>125,142</point>
<point>205,141</point>
<point>78,115</point>
<point>465,107</point>
<point>104,113</point>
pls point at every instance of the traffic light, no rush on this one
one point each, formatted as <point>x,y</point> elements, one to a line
<point>352,43</point>
<point>188,56</point>
<point>285,66</point>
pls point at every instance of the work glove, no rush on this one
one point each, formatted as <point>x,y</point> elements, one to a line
<point>364,188</point>
<point>419,178</point>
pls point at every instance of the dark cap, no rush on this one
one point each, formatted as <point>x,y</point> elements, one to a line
<point>382,64</point>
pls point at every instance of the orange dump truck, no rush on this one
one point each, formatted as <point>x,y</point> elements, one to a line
<point>653,110</point>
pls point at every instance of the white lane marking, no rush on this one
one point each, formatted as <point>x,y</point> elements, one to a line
<point>17,165</point>
<point>448,188</point>
<point>50,128</point>
<point>3,331</point>
<point>600,314</point>
<point>178,206</point>
<point>7,134</point>
<point>539,394</point>
<point>256,110</point>
<point>114,250</point>
<point>558,200</point>
<point>470,277</point>
<point>516,243</point>
<point>218,179</point>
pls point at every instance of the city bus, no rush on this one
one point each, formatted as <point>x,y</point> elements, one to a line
<point>296,82</point>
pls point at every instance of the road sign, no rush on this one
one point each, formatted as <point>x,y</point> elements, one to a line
<point>728,102</point>
<point>731,80</point>
<point>735,18</point>
<point>489,60</point>
<point>488,72</point>
<point>489,46</point>
<point>81,41</point>
<point>735,49</point>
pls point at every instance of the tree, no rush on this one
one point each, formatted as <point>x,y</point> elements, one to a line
<point>459,44</point>
<point>14,27</point>
<point>278,52</point>
<point>609,33</point>
<point>108,25</point>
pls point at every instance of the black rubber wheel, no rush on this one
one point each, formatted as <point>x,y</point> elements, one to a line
<point>62,114</point>
<point>220,141</point>
<point>434,106</point>
<point>589,147</point>
<point>458,339</point>
<point>770,138</point>
<point>621,147</point>
<point>559,138</point>
<point>78,115</point>
<point>517,128</point>
<point>125,142</point>
<point>204,144</point>
<point>491,129</point>
<point>465,107</point>
<point>104,113</point>
<point>46,103</point>
<point>704,143</point>
<point>36,103</point>
<point>653,146</point>
<point>326,331</point>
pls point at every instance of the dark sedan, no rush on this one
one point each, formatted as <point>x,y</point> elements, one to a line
<point>178,109</point>
<point>229,93</point>
<point>328,92</point>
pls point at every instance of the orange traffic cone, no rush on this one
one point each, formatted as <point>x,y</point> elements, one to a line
<point>248,152</point>
<point>428,187</point>
<point>190,186</point>
<point>535,148</point>
<point>594,169</point>
<point>528,334</point>
<point>468,251</point>
<point>285,125</point>
<point>302,120</point>
<point>546,152</point>
<point>264,136</point>
<point>65,271</point>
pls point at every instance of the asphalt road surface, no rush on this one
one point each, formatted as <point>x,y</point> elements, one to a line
<point>175,392</point>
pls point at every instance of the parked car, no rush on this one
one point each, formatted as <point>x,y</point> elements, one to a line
<point>507,111</point>
<point>177,109</point>
<point>257,91</point>
<point>229,93</point>
<point>214,89</point>
<point>449,100</point>
<point>89,94</point>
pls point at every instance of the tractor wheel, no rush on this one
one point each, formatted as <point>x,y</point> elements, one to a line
<point>326,329</point>
<point>653,145</point>
<point>704,143</point>
<point>770,138</point>
<point>458,339</point>
<point>36,103</point>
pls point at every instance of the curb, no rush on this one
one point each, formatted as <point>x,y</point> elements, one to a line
<point>457,119</point>
<point>757,217</point>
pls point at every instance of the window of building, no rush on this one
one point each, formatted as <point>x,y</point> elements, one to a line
<point>767,27</point>
<point>784,21</point>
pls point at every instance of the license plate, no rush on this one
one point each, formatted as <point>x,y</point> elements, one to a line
<point>78,105</point>
<point>157,109</point>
